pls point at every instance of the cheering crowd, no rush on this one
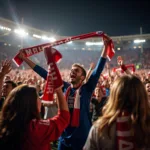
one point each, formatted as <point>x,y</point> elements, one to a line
<point>102,108</point>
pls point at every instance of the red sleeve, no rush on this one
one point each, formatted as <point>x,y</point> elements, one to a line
<point>44,131</point>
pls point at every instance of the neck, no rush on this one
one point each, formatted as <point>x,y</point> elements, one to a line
<point>77,85</point>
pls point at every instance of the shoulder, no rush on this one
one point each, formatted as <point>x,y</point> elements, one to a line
<point>37,123</point>
<point>104,139</point>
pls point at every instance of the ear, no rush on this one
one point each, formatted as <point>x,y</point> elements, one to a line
<point>82,78</point>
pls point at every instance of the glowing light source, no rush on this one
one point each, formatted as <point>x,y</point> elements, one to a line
<point>93,43</point>
<point>118,48</point>
<point>139,41</point>
<point>21,32</point>
<point>51,39</point>
<point>5,28</point>
<point>37,36</point>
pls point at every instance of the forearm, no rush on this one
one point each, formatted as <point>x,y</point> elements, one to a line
<point>62,103</point>
<point>40,71</point>
<point>125,69</point>
<point>29,62</point>
<point>128,72</point>
<point>1,82</point>
<point>96,74</point>
<point>88,74</point>
<point>104,52</point>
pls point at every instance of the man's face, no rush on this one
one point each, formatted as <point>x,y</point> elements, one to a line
<point>76,75</point>
<point>7,87</point>
<point>148,88</point>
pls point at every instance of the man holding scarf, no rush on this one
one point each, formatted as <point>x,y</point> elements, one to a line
<point>78,96</point>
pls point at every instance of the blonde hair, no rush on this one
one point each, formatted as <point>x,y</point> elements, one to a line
<point>128,93</point>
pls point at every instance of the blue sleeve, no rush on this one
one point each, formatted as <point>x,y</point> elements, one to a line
<point>40,71</point>
<point>66,85</point>
<point>91,83</point>
<point>43,73</point>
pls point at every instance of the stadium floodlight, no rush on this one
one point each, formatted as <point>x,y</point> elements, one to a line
<point>93,43</point>
<point>5,28</point>
<point>139,41</point>
<point>21,32</point>
<point>37,36</point>
<point>51,39</point>
<point>44,37</point>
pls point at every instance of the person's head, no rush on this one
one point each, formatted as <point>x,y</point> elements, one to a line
<point>8,86</point>
<point>147,86</point>
<point>128,93</point>
<point>77,74</point>
<point>20,107</point>
<point>98,93</point>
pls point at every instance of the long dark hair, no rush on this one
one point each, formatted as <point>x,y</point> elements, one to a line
<point>18,110</point>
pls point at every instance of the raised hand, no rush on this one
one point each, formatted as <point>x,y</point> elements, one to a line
<point>106,39</point>
<point>22,55</point>
<point>6,67</point>
<point>120,60</point>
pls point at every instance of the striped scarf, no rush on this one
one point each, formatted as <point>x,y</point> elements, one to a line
<point>124,134</point>
<point>76,111</point>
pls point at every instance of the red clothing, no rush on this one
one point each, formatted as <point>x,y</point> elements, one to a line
<point>40,133</point>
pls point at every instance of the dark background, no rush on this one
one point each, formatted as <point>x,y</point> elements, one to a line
<point>72,17</point>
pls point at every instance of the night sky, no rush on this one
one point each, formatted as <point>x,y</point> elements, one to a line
<point>72,17</point>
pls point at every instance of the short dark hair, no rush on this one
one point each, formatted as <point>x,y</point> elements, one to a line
<point>12,83</point>
<point>82,68</point>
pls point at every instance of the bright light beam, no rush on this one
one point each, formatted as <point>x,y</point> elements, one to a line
<point>139,41</point>
<point>21,32</point>
<point>92,43</point>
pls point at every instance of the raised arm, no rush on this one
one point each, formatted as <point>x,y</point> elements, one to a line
<point>39,70</point>
<point>91,84</point>
<point>5,69</point>
<point>122,66</point>
<point>92,65</point>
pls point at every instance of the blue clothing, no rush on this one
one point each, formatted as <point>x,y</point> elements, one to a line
<point>76,137</point>
<point>107,92</point>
